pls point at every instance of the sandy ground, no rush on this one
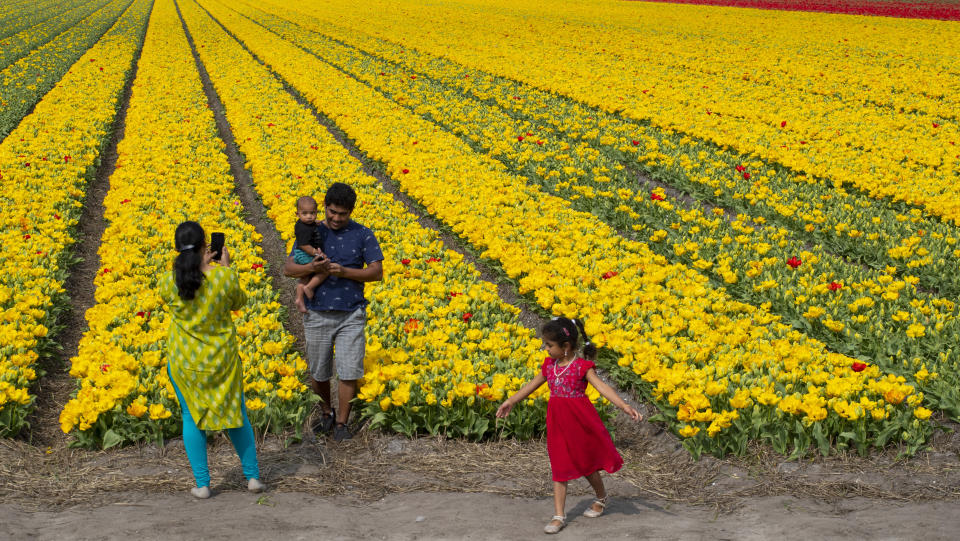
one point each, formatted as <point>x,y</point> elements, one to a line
<point>425,515</point>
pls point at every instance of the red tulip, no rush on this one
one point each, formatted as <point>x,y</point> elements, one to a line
<point>636,143</point>
<point>746,176</point>
<point>741,168</point>
<point>835,286</point>
<point>794,262</point>
<point>859,366</point>
<point>405,261</point>
<point>783,124</point>
<point>405,171</point>
<point>656,197</point>
<point>519,138</point>
<point>467,316</point>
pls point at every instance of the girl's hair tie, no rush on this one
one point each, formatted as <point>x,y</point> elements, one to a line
<point>185,248</point>
<point>566,332</point>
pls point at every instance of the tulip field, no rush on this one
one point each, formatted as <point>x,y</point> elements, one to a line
<point>756,212</point>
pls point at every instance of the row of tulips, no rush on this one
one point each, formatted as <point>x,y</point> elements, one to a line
<point>443,350</point>
<point>854,310</point>
<point>45,165</point>
<point>18,16</point>
<point>16,46</point>
<point>171,168</point>
<point>24,82</point>
<point>575,137</point>
<point>721,371</point>
<point>766,92</point>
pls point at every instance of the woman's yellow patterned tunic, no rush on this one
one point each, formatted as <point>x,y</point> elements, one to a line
<point>202,348</point>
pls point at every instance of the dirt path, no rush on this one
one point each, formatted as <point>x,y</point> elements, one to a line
<point>433,515</point>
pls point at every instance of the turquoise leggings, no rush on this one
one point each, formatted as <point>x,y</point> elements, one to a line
<point>195,441</point>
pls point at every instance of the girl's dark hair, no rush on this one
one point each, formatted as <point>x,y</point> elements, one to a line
<point>568,331</point>
<point>189,241</point>
<point>341,195</point>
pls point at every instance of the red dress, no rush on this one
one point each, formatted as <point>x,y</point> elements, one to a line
<point>577,441</point>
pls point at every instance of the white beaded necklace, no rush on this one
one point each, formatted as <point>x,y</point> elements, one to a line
<point>556,376</point>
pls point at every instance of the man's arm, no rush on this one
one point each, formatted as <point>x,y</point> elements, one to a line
<point>373,272</point>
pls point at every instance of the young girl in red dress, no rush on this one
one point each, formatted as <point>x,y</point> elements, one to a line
<point>577,442</point>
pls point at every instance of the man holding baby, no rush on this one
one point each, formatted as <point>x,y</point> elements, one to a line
<point>335,316</point>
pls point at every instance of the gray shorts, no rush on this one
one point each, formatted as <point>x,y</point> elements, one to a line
<point>344,331</point>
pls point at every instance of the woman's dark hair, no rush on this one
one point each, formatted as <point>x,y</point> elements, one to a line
<point>341,195</point>
<point>189,241</point>
<point>568,331</point>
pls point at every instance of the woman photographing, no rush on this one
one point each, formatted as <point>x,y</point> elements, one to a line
<point>203,355</point>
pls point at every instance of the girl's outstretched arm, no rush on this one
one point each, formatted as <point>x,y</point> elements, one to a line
<point>524,392</point>
<point>611,395</point>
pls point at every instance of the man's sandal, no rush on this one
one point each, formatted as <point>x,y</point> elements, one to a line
<point>593,513</point>
<point>553,526</point>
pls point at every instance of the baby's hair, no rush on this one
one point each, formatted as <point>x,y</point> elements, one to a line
<point>568,331</point>
<point>306,200</point>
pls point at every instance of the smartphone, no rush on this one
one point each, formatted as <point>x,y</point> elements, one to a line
<point>216,245</point>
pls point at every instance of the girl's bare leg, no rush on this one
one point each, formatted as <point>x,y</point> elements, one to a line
<point>559,497</point>
<point>597,483</point>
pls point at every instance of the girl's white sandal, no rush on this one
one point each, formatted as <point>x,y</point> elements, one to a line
<point>593,513</point>
<point>554,528</point>
<point>200,493</point>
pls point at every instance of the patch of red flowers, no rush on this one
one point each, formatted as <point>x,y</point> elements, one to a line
<point>467,316</point>
<point>405,261</point>
<point>858,366</point>
<point>608,275</point>
<point>433,260</point>
<point>933,9</point>
<point>656,197</point>
<point>794,262</point>
<point>256,266</point>
<point>835,286</point>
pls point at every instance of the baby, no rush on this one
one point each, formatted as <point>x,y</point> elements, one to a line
<point>309,240</point>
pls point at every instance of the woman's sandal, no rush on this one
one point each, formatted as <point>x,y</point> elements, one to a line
<point>593,513</point>
<point>552,527</point>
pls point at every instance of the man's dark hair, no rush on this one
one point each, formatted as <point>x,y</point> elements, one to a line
<point>341,195</point>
